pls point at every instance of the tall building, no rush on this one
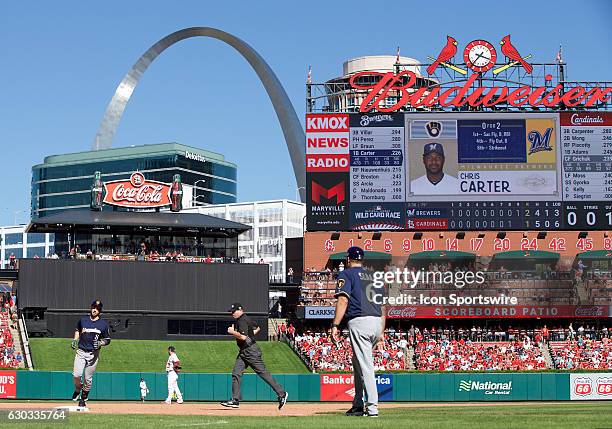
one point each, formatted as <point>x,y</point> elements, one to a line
<point>63,182</point>
<point>272,222</point>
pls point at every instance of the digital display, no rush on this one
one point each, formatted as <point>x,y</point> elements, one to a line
<point>459,171</point>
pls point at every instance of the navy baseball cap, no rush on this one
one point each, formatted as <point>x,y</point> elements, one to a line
<point>355,253</point>
<point>433,147</point>
<point>235,307</point>
<point>97,304</point>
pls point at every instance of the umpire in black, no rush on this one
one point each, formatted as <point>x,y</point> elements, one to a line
<point>244,330</point>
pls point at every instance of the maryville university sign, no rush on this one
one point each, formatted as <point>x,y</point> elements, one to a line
<point>480,57</point>
<point>137,192</point>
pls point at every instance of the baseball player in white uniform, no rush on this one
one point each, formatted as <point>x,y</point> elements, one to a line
<point>173,367</point>
<point>434,181</point>
<point>143,389</point>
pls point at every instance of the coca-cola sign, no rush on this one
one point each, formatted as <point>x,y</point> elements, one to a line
<point>592,311</point>
<point>137,192</point>
<point>401,312</point>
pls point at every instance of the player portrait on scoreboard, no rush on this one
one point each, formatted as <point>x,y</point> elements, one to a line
<point>436,179</point>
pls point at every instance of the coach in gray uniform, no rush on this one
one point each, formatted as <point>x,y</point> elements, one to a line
<point>366,325</point>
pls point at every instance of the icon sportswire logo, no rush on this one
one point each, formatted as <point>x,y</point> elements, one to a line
<point>488,387</point>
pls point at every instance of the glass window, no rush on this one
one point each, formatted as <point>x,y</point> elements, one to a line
<point>36,238</point>
<point>241,215</point>
<point>13,238</point>
<point>35,251</point>
<point>18,252</point>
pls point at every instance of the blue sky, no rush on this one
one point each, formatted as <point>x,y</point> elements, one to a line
<point>61,62</point>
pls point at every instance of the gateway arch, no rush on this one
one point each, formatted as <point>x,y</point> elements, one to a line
<point>292,129</point>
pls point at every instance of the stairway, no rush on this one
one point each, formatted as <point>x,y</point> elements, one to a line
<point>273,325</point>
<point>547,357</point>
<point>6,323</point>
<point>410,359</point>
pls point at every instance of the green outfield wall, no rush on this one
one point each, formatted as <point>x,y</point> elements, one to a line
<point>447,387</point>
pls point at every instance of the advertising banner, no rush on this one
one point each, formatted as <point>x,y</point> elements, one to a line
<point>327,143</point>
<point>492,311</point>
<point>590,386</point>
<point>137,192</point>
<point>319,312</point>
<point>341,387</point>
<point>327,198</point>
<point>377,217</point>
<point>8,384</point>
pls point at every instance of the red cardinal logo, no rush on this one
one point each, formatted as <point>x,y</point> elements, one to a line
<point>510,51</point>
<point>445,54</point>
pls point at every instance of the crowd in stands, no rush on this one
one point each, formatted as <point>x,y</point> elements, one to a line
<point>322,354</point>
<point>465,355</point>
<point>142,254</point>
<point>582,353</point>
<point>9,357</point>
<point>473,348</point>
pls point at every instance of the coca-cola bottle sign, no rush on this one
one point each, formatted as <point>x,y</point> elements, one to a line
<point>137,192</point>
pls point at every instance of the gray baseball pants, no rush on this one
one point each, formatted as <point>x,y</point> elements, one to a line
<point>364,332</point>
<point>251,356</point>
<point>85,366</point>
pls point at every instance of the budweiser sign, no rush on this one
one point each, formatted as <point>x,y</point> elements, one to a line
<point>480,57</point>
<point>392,84</point>
<point>137,192</point>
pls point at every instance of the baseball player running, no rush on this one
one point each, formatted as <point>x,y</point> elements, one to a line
<point>244,330</point>
<point>90,335</point>
<point>366,326</point>
<point>143,389</point>
<point>173,367</point>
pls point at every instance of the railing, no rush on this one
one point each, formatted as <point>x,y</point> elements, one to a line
<point>25,343</point>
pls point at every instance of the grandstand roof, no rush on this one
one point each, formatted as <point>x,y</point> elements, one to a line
<point>595,254</point>
<point>147,223</point>
<point>442,254</point>
<point>530,254</point>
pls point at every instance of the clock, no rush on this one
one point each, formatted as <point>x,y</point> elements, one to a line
<point>479,55</point>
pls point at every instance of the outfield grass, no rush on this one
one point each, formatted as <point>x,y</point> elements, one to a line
<point>55,354</point>
<point>538,416</point>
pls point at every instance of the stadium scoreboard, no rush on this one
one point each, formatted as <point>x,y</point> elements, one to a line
<point>459,171</point>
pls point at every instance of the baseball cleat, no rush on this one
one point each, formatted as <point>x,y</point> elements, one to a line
<point>282,400</point>
<point>179,401</point>
<point>167,402</point>
<point>231,404</point>
<point>82,403</point>
<point>355,412</point>
<point>370,415</point>
<point>75,395</point>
